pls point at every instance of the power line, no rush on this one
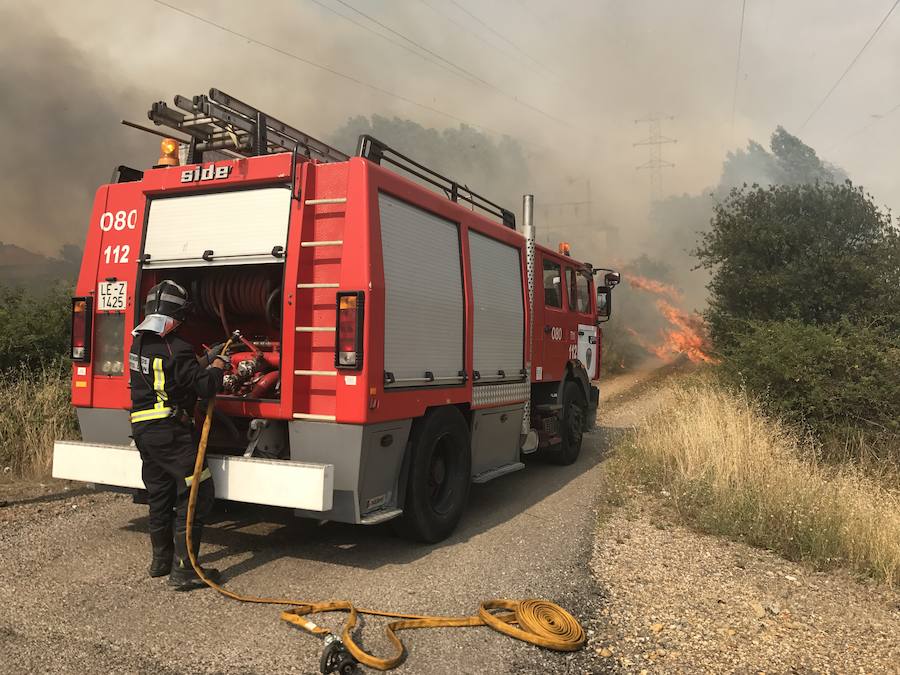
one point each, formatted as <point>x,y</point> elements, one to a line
<point>457,69</point>
<point>862,130</point>
<point>485,25</point>
<point>737,67</point>
<point>386,38</point>
<point>492,45</point>
<point>852,63</point>
<point>327,69</point>
<point>484,82</point>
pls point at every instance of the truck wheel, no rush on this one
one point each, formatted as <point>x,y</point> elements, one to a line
<point>571,425</point>
<point>439,476</point>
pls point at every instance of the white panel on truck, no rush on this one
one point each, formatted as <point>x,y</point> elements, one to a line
<point>239,227</point>
<point>499,316</point>
<point>424,305</point>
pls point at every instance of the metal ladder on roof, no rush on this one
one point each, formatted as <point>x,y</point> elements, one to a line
<point>220,122</point>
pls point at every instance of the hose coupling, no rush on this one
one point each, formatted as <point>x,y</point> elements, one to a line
<point>336,658</point>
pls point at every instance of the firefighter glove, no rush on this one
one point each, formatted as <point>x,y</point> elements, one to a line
<point>213,352</point>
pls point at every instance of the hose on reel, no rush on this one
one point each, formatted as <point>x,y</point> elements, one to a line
<point>222,293</point>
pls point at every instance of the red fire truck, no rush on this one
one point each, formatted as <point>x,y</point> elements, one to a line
<point>401,339</point>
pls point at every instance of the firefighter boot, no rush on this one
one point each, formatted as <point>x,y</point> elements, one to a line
<point>163,549</point>
<point>183,577</point>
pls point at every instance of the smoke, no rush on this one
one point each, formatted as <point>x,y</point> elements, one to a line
<point>71,71</point>
<point>58,119</point>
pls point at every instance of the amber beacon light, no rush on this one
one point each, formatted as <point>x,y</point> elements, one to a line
<point>168,152</point>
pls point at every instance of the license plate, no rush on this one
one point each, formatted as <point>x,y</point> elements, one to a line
<point>111,296</point>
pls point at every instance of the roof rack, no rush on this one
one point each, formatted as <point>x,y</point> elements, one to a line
<point>376,151</point>
<point>221,122</point>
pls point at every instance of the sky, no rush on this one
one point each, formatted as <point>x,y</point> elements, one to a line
<point>566,79</point>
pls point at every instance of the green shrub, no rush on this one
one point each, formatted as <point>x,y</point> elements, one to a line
<point>816,253</point>
<point>827,376</point>
<point>34,326</point>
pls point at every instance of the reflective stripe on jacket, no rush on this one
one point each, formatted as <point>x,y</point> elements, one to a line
<point>166,377</point>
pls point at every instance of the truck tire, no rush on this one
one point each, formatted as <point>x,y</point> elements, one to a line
<point>440,473</point>
<point>571,425</point>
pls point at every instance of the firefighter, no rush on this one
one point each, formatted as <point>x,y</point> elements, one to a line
<point>166,380</point>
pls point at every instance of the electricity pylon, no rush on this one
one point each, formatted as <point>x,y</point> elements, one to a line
<point>654,141</point>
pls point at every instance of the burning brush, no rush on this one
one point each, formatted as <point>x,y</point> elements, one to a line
<point>686,333</point>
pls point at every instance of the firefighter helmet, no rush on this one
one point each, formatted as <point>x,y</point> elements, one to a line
<point>167,298</point>
<point>167,306</point>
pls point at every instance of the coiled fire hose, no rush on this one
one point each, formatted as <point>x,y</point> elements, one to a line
<point>540,622</point>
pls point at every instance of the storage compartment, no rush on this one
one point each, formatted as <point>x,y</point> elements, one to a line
<point>495,438</point>
<point>237,297</point>
<point>424,303</point>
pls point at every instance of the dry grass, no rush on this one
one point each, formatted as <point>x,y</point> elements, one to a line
<point>729,469</point>
<point>36,411</point>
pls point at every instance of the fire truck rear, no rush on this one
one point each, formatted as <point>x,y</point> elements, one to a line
<point>401,339</point>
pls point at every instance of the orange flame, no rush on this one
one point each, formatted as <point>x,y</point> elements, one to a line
<point>654,286</point>
<point>687,335</point>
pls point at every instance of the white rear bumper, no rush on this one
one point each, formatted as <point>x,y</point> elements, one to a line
<point>274,482</point>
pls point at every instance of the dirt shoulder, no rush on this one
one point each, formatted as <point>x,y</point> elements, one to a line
<point>681,601</point>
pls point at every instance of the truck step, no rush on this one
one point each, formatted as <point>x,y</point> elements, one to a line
<point>491,474</point>
<point>380,516</point>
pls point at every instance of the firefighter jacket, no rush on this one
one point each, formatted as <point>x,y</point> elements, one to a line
<point>166,378</point>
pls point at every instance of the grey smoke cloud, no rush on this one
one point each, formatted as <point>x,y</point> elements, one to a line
<point>70,71</point>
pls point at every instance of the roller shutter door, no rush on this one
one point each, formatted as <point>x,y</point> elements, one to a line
<point>499,314</point>
<point>424,303</point>
<point>242,226</point>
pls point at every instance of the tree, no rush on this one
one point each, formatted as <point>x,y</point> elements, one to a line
<point>790,162</point>
<point>676,222</point>
<point>811,252</point>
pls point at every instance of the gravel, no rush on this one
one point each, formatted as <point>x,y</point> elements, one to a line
<point>76,597</point>
<point>680,601</point>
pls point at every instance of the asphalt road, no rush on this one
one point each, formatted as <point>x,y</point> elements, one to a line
<point>75,596</point>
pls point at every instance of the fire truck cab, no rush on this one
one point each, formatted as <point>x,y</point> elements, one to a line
<point>400,338</point>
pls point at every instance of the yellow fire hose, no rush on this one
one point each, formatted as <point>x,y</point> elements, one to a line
<point>539,622</point>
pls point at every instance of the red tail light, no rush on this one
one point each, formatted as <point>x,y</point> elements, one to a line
<point>82,313</point>
<point>348,347</point>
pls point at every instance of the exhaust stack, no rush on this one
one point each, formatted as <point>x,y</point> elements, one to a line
<point>529,436</point>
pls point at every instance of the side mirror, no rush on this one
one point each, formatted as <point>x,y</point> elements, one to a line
<point>604,303</point>
<point>612,279</point>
